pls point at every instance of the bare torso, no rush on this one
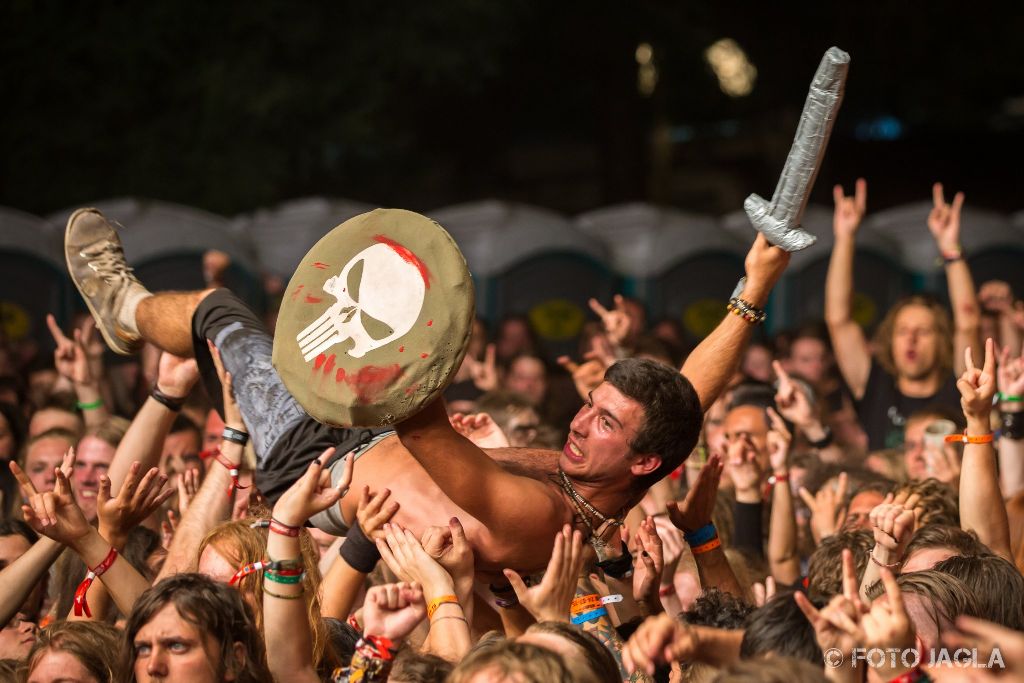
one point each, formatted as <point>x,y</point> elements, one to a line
<point>524,547</point>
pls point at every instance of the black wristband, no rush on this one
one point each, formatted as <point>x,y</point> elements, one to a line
<point>169,402</point>
<point>825,441</point>
<point>235,436</point>
<point>358,551</point>
<point>620,567</point>
<point>1013,426</point>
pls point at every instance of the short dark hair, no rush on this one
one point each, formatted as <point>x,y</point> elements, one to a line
<point>753,394</point>
<point>718,609</point>
<point>997,584</point>
<point>672,413</point>
<point>781,629</point>
<point>596,656</point>
<point>772,670</point>
<point>216,609</point>
<point>963,543</point>
<point>412,666</point>
<point>938,501</point>
<point>16,527</point>
<point>825,568</point>
<point>183,424</point>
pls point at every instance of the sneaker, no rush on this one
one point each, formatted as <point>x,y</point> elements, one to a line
<point>98,268</point>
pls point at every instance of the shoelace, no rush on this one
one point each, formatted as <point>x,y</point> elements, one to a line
<point>108,262</point>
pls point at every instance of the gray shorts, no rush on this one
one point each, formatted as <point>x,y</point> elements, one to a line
<point>331,520</point>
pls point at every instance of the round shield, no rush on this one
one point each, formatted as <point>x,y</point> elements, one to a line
<point>375,320</point>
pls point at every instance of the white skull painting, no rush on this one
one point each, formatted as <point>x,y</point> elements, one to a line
<point>379,297</point>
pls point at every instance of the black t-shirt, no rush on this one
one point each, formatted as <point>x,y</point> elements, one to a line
<point>883,410</point>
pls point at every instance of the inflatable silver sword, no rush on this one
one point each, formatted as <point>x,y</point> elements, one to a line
<point>780,219</point>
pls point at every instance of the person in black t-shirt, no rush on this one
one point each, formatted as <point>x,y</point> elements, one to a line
<point>917,349</point>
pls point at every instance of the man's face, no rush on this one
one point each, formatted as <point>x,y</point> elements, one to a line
<point>181,452</point>
<point>17,637</point>
<point>714,427</point>
<point>169,648</point>
<point>52,418</point>
<point>93,458</point>
<point>42,458</point>
<point>528,378</point>
<point>598,447</point>
<point>748,424</point>
<point>915,342</point>
<point>861,505</point>
<point>213,431</point>
<point>11,548</point>
<point>522,428</point>
<point>808,357</point>
<point>757,363</point>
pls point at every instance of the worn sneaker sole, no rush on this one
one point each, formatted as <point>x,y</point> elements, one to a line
<point>119,340</point>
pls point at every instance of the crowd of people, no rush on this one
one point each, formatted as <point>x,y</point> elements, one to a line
<point>812,505</point>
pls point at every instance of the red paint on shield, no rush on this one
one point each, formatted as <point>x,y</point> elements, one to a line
<point>298,290</point>
<point>401,349</point>
<point>423,355</point>
<point>313,299</point>
<point>339,376</point>
<point>407,256</point>
<point>321,266</point>
<point>371,380</point>
<point>329,365</point>
<point>318,363</point>
<point>430,323</point>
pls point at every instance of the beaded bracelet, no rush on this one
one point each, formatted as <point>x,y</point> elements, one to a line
<point>746,310</point>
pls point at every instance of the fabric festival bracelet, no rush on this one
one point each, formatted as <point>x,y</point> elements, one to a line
<point>587,616</point>
<point>1003,398</point>
<point>91,405</point>
<point>965,438</point>
<point>358,551</point>
<point>233,472</point>
<point>707,547</point>
<point>283,578</point>
<point>81,604</point>
<point>700,536</point>
<point>437,602</point>
<point>283,529</point>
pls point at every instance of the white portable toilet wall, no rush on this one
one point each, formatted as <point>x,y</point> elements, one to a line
<point>879,277</point>
<point>165,242</point>
<point>281,235</point>
<point>994,247</point>
<point>681,265</point>
<point>530,261</point>
<point>35,281</point>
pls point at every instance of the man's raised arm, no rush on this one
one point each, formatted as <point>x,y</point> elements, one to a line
<point>466,474</point>
<point>713,363</point>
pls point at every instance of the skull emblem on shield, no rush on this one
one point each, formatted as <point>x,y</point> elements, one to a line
<point>379,298</point>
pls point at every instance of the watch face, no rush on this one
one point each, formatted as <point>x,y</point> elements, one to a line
<point>375,320</point>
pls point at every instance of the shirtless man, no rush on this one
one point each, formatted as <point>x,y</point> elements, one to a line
<point>639,425</point>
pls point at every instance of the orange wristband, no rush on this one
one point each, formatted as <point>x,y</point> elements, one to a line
<point>707,547</point>
<point>585,603</point>
<point>966,438</point>
<point>437,602</point>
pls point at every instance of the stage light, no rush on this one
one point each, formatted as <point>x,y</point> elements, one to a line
<point>735,73</point>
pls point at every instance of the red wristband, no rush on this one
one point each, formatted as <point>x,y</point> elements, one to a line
<point>81,604</point>
<point>283,529</point>
<point>232,470</point>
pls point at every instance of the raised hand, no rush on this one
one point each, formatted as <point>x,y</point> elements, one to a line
<point>374,512</point>
<point>137,499</point>
<point>481,429</point>
<point>484,373</point>
<point>188,486</point>
<point>827,508</point>
<point>763,265</point>
<point>892,523</point>
<point>70,357</point>
<point>835,626</point>
<point>550,599</point>
<point>450,548</point>
<point>977,387</point>
<point>849,211</point>
<point>779,440</point>
<point>589,374</point>
<point>312,492</point>
<point>404,554</point>
<point>659,640</point>
<point>53,514</point>
<point>792,400</point>
<point>763,592</point>
<point>989,638</point>
<point>393,610</point>
<point>697,507</point>
<point>648,566</point>
<point>1010,373</point>
<point>176,376</point>
<point>232,413</point>
<point>617,322</point>
<point>944,220</point>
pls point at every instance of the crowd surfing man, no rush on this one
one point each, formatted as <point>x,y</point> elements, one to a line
<point>634,429</point>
